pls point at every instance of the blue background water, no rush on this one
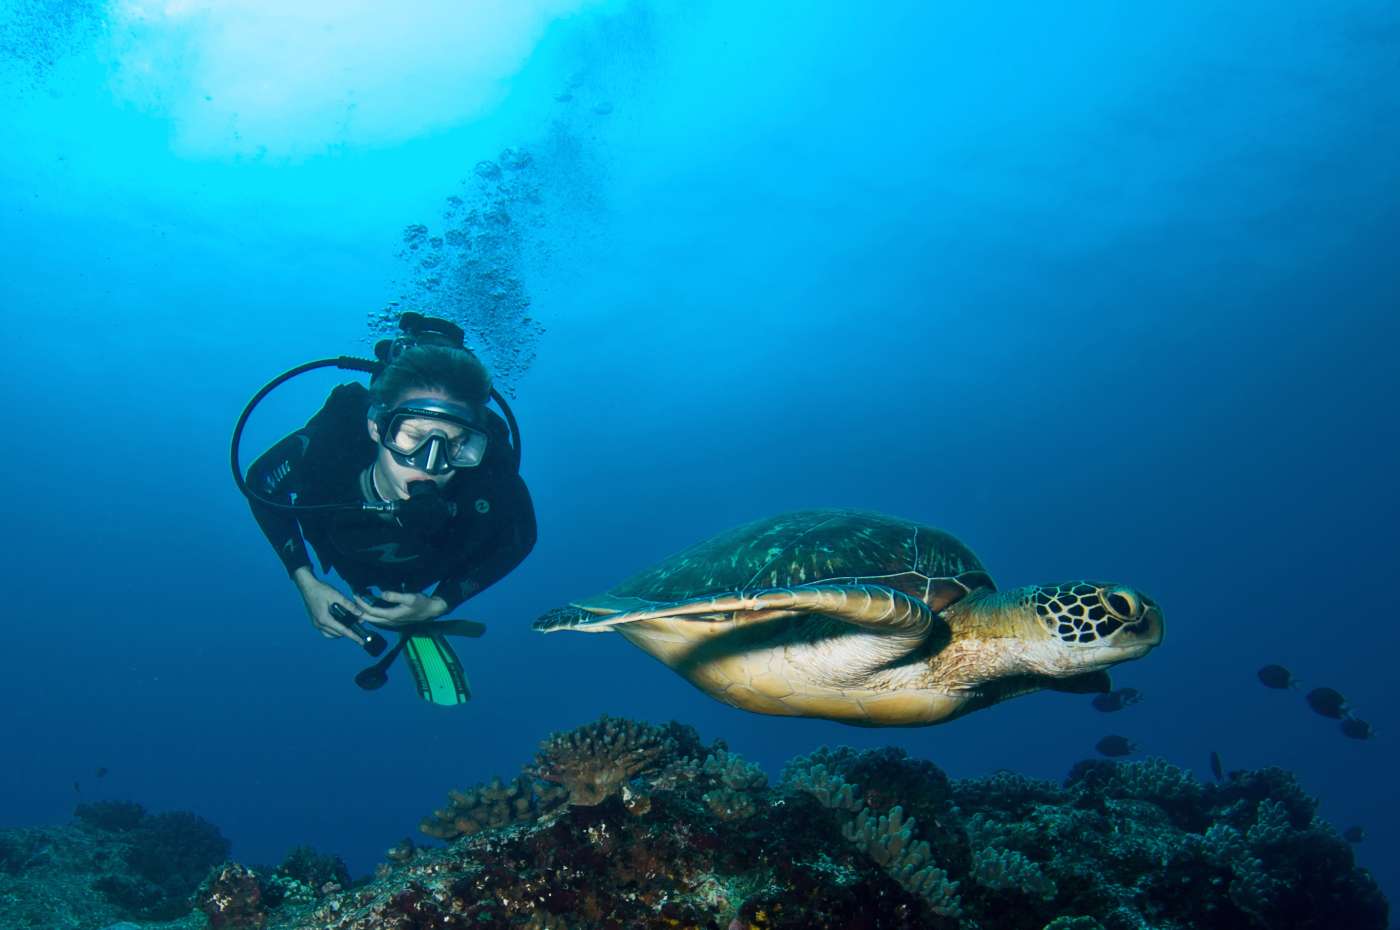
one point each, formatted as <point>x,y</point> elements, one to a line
<point>1107,292</point>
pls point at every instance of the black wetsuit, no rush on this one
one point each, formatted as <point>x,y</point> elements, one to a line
<point>327,462</point>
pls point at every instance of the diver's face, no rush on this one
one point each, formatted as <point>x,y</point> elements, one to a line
<point>393,478</point>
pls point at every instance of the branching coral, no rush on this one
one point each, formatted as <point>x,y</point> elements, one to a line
<point>1271,825</point>
<point>1172,788</point>
<point>593,762</point>
<point>728,804</point>
<point>1009,870</point>
<point>738,779</point>
<point>735,772</point>
<point>1275,869</point>
<point>1156,780</point>
<point>674,774</point>
<point>889,840</point>
<point>1275,783</point>
<point>1254,890</point>
<point>1003,789</point>
<point>1074,923</point>
<point>830,789</point>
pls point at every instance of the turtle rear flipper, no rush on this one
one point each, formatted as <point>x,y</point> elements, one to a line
<point>875,608</point>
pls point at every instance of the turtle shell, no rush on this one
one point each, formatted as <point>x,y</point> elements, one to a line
<point>811,546</point>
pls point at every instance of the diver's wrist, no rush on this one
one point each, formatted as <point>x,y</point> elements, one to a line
<point>304,578</point>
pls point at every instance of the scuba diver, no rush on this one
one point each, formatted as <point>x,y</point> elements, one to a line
<point>408,483</point>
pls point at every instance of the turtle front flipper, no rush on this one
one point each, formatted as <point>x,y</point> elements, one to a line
<point>571,617</point>
<point>871,607</point>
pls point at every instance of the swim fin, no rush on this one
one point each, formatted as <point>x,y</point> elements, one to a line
<point>437,672</point>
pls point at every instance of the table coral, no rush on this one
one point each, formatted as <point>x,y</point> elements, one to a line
<point>491,805</point>
<point>593,762</point>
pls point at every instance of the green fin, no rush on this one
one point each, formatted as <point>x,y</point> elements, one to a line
<point>437,672</point>
<point>1086,683</point>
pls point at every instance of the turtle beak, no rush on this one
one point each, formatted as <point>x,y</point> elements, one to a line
<point>1143,634</point>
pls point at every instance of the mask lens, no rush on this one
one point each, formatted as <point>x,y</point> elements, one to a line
<point>408,434</point>
<point>467,450</point>
<point>435,445</point>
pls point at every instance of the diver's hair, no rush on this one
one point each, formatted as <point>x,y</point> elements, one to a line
<point>457,373</point>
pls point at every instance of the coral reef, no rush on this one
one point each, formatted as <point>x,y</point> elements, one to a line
<point>875,839</point>
<point>116,862</point>
<point>680,835</point>
<point>173,851</point>
<point>111,816</point>
<point>166,856</point>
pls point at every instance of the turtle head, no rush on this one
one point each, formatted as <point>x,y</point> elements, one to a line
<point>1089,625</point>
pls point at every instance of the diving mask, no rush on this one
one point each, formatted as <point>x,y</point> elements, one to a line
<point>431,435</point>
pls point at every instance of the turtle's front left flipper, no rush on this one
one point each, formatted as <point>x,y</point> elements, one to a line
<point>871,607</point>
<point>566,618</point>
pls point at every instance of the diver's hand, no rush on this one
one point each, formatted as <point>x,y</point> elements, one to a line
<point>407,608</point>
<point>319,597</point>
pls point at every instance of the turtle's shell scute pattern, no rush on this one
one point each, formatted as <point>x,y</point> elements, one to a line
<point>802,547</point>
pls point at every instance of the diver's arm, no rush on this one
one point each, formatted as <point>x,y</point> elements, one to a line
<point>509,549</point>
<point>280,472</point>
<point>275,476</point>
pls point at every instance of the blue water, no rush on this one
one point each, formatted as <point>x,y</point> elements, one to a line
<point>1107,292</point>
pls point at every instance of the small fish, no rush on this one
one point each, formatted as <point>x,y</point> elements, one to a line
<point>1327,702</point>
<point>1216,768</point>
<point>603,108</point>
<point>564,97</point>
<point>1276,676</point>
<point>1353,834</point>
<point>1356,728</point>
<point>1113,746</point>
<point>101,770</point>
<point>1116,700</point>
<point>77,788</point>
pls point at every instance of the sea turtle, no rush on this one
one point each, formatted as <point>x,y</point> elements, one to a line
<point>866,619</point>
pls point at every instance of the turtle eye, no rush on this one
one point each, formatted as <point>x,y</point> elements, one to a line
<point>1123,602</point>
